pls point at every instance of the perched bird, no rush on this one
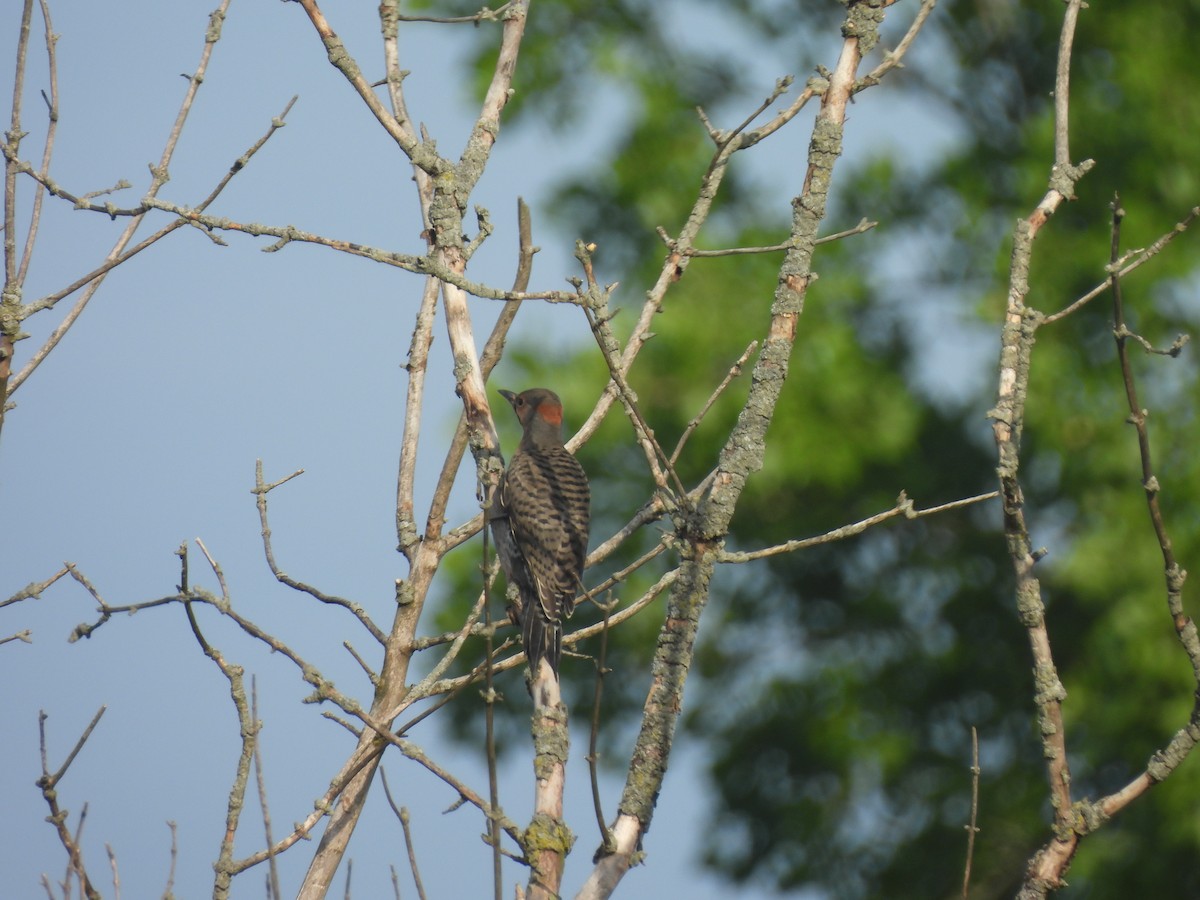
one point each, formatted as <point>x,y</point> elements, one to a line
<point>539,518</point>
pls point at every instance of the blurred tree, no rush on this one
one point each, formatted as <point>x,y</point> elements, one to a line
<point>837,686</point>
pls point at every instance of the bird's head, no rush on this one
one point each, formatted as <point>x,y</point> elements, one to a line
<point>539,410</point>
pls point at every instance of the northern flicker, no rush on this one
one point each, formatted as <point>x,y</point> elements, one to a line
<point>539,517</point>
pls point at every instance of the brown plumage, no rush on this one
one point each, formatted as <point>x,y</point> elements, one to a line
<point>539,519</point>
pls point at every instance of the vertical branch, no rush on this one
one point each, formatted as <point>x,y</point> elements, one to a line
<point>1017,339</point>
<point>593,757</point>
<point>492,350</point>
<point>418,363</point>
<point>422,338</point>
<point>412,853</point>
<point>402,814</point>
<point>972,830</point>
<point>1174,574</point>
<point>273,891</point>
<point>13,139</point>
<point>547,840</point>
<point>489,709</point>
<point>169,890</point>
<point>225,866</point>
<point>10,295</point>
<point>39,192</point>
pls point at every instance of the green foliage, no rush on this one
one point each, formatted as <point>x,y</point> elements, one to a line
<point>836,688</point>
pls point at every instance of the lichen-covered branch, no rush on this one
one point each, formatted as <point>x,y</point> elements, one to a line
<point>741,456</point>
<point>1017,339</point>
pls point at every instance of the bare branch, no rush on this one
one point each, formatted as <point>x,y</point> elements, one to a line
<point>169,890</point>
<point>734,371</point>
<point>492,350</point>
<point>593,757</point>
<point>903,507</point>
<point>581,634</point>
<point>260,782</point>
<point>402,815</point>
<point>1017,339</point>
<point>863,226</point>
<point>160,175</point>
<point>341,59</point>
<point>48,784</point>
<point>972,830</point>
<point>893,58</point>
<point>417,755</point>
<point>260,492</point>
<point>34,589</point>
<point>39,195</point>
<point>1128,263</point>
<point>225,867</point>
<point>116,877</point>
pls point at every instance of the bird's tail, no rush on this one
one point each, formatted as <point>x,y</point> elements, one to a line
<point>542,639</point>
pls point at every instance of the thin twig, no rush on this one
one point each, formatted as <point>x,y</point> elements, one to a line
<point>720,137</point>
<point>39,194</point>
<point>402,815</point>
<point>581,634</point>
<point>116,876</point>
<point>863,226</point>
<point>260,492</point>
<point>971,829</point>
<point>48,783</point>
<point>1128,263</point>
<point>593,757</point>
<point>893,58</point>
<point>423,688</point>
<point>273,889</point>
<point>1174,574</point>
<point>903,507</point>
<point>734,371</point>
<point>169,890</point>
<point>489,711</point>
<point>13,137</point>
<point>225,866</point>
<point>418,362</point>
<point>661,465</point>
<point>486,14</point>
<point>412,852</point>
<point>341,58</point>
<point>417,755</point>
<point>34,589</point>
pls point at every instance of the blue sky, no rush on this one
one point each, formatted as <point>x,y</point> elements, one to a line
<point>193,361</point>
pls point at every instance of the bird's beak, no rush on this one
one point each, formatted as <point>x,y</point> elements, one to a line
<point>507,395</point>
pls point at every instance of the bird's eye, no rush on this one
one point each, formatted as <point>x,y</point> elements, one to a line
<point>520,401</point>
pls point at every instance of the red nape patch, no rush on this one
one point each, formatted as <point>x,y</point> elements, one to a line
<point>551,412</point>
